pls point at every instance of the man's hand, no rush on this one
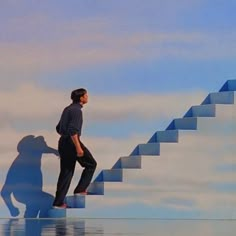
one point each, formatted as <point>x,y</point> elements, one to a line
<point>76,142</point>
<point>80,152</point>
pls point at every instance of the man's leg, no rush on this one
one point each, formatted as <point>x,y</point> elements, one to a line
<point>88,162</point>
<point>67,167</point>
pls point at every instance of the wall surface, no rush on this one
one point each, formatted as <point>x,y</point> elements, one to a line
<point>193,177</point>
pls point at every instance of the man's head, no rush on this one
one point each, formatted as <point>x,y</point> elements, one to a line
<point>79,96</point>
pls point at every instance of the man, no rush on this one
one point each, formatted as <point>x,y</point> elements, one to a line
<point>71,149</point>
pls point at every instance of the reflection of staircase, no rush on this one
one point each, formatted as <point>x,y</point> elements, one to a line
<point>128,168</point>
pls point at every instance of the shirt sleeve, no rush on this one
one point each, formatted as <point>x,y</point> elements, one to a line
<point>58,128</point>
<point>75,123</point>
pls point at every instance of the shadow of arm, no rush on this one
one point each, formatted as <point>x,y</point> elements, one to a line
<point>6,195</point>
<point>51,150</point>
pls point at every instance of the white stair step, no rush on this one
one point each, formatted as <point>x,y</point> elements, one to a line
<point>211,110</point>
<point>208,110</point>
<point>220,98</point>
<point>165,136</point>
<point>96,188</point>
<point>75,201</point>
<point>57,213</point>
<point>188,123</point>
<point>79,202</point>
<point>128,162</point>
<point>230,85</point>
<point>191,123</point>
<point>147,149</point>
<point>101,188</point>
<point>111,175</point>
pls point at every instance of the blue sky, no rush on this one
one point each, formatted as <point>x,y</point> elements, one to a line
<point>143,63</point>
<point>131,46</point>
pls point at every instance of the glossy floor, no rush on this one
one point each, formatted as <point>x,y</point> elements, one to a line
<point>126,227</point>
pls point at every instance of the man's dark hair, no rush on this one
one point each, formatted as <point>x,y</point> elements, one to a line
<point>77,94</point>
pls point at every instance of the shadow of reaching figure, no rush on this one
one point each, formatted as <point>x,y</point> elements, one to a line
<point>24,180</point>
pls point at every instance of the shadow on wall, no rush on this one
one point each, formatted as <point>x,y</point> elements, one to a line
<point>24,180</point>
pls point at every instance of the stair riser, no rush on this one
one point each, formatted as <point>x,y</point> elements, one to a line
<point>211,110</point>
<point>57,213</point>
<point>220,98</point>
<point>130,162</point>
<point>229,85</point>
<point>147,149</point>
<point>96,188</point>
<point>76,201</point>
<point>202,111</point>
<point>167,136</point>
<point>188,124</point>
<point>113,175</point>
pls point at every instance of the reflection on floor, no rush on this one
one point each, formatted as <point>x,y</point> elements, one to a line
<point>127,227</point>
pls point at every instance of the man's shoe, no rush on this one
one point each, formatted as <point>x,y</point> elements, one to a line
<point>63,206</point>
<point>81,193</point>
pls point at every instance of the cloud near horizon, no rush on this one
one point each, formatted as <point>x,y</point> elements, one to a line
<point>32,103</point>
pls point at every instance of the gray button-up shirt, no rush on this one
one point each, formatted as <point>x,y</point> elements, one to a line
<point>71,120</point>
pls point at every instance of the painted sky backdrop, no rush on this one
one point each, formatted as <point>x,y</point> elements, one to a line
<point>143,63</point>
<point>116,49</point>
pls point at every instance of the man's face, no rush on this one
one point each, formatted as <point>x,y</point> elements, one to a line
<point>84,98</point>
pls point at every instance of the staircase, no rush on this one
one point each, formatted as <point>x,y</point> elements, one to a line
<point>127,189</point>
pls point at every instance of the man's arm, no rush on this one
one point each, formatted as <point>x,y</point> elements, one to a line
<point>58,127</point>
<point>74,129</point>
<point>76,142</point>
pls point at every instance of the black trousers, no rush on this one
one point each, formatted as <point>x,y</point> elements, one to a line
<point>68,159</point>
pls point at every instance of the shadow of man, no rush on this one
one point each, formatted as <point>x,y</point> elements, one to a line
<point>24,180</point>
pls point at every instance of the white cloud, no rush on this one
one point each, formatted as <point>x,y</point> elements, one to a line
<point>29,102</point>
<point>101,48</point>
<point>94,42</point>
<point>40,105</point>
